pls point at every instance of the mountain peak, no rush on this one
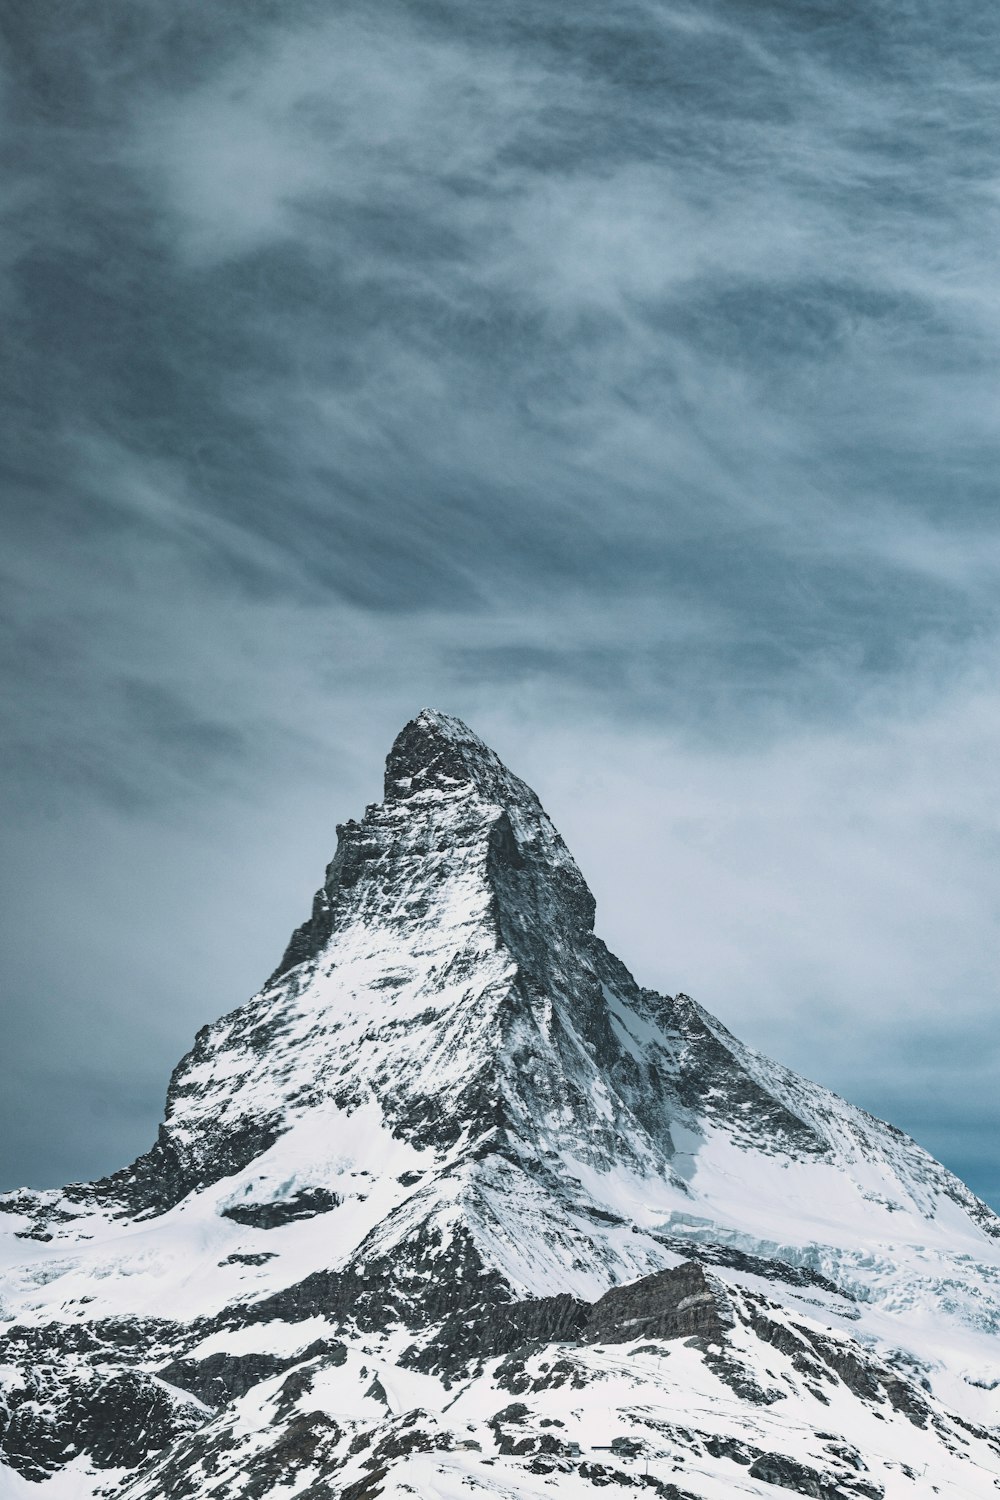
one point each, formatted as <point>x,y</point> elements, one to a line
<point>452,1142</point>
<point>436,751</point>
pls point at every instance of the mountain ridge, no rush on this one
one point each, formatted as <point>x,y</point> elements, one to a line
<point>449,1118</point>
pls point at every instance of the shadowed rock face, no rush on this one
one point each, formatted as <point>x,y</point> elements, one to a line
<point>684,1302</point>
<point>530,871</point>
<point>452,1141</point>
<point>801,1479</point>
<point>304,1204</point>
<point>119,1420</point>
<point>219,1378</point>
<point>464,1340</point>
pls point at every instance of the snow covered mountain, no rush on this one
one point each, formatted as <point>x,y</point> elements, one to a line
<point>453,1205</point>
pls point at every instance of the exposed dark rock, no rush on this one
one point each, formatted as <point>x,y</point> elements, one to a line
<point>160,1178</point>
<point>20,1202</point>
<point>117,1420</point>
<point>462,1340</point>
<point>683,1302</point>
<point>903,1397</point>
<point>729,1447</point>
<point>312,937</point>
<point>307,1440</point>
<point>122,1341</point>
<point>368,1487</point>
<point>305,1204</point>
<point>415,1432</point>
<point>417,1287</point>
<point>734,1373</point>
<point>680,1303</point>
<point>791,1474</point>
<point>219,1378</point>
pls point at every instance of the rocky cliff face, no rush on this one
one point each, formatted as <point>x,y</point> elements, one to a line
<point>453,1163</point>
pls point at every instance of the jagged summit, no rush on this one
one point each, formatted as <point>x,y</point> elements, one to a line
<point>437,751</point>
<point>451,807</point>
<point>447,1126</point>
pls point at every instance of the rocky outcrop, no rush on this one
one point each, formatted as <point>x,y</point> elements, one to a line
<point>304,1204</point>
<point>802,1479</point>
<point>220,1378</point>
<point>680,1303</point>
<point>684,1302</point>
<point>117,1420</point>
<point>462,1342</point>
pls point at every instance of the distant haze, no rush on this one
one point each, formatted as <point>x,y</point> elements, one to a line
<point>621,379</point>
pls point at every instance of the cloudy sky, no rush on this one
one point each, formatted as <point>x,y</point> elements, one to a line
<point>623,379</point>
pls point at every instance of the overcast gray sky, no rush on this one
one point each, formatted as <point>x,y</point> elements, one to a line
<point>620,378</point>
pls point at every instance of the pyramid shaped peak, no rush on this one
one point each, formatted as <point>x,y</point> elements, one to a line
<point>446,728</point>
<point>438,751</point>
